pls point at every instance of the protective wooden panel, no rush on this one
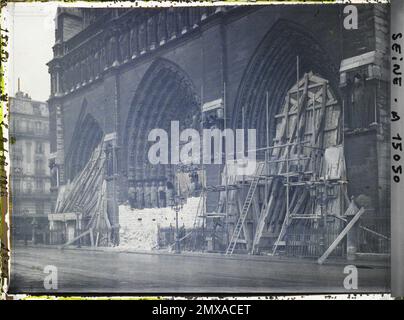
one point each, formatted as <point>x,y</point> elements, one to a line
<point>315,120</point>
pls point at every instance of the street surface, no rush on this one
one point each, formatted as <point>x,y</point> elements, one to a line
<point>83,270</point>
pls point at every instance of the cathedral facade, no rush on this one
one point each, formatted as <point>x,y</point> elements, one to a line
<point>116,74</point>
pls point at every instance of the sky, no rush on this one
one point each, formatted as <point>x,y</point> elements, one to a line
<point>31,37</point>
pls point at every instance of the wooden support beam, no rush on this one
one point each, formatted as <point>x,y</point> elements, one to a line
<point>256,207</point>
<point>299,202</point>
<point>266,208</point>
<point>366,229</point>
<point>91,237</point>
<point>341,236</point>
<point>89,231</point>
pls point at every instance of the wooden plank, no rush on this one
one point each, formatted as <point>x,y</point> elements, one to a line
<point>75,239</point>
<point>277,224</point>
<point>366,229</point>
<point>341,236</point>
<point>285,135</point>
<point>321,123</point>
<point>85,183</point>
<point>91,237</point>
<point>261,223</point>
<point>299,203</point>
<point>256,208</point>
<point>245,209</point>
<point>311,86</point>
<point>247,235</point>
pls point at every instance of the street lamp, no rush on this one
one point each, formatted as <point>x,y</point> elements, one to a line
<point>176,205</point>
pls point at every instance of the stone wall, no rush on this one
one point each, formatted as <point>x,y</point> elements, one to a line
<point>213,47</point>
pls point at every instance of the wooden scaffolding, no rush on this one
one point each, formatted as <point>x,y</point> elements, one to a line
<point>87,197</point>
<point>300,182</point>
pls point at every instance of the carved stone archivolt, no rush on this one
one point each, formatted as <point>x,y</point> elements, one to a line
<point>171,23</point>
<point>162,27</point>
<point>103,59</point>
<point>112,51</point>
<point>151,32</point>
<point>134,42</point>
<point>142,38</point>
<point>124,47</point>
<point>276,56</point>
<point>165,94</point>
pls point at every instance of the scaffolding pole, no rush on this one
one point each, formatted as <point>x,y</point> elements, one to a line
<point>204,178</point>
<point>266,167</point>
<point>225,165</point>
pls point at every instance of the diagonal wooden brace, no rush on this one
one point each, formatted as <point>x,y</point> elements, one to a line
<point>89,231</point>
<point>341,236</point>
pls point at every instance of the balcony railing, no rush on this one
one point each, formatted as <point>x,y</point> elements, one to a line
<point>44,133</point>
<point>30,194</point>
<point>127,38</point>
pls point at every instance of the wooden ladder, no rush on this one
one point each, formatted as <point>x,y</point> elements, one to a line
<point>247,203</point>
